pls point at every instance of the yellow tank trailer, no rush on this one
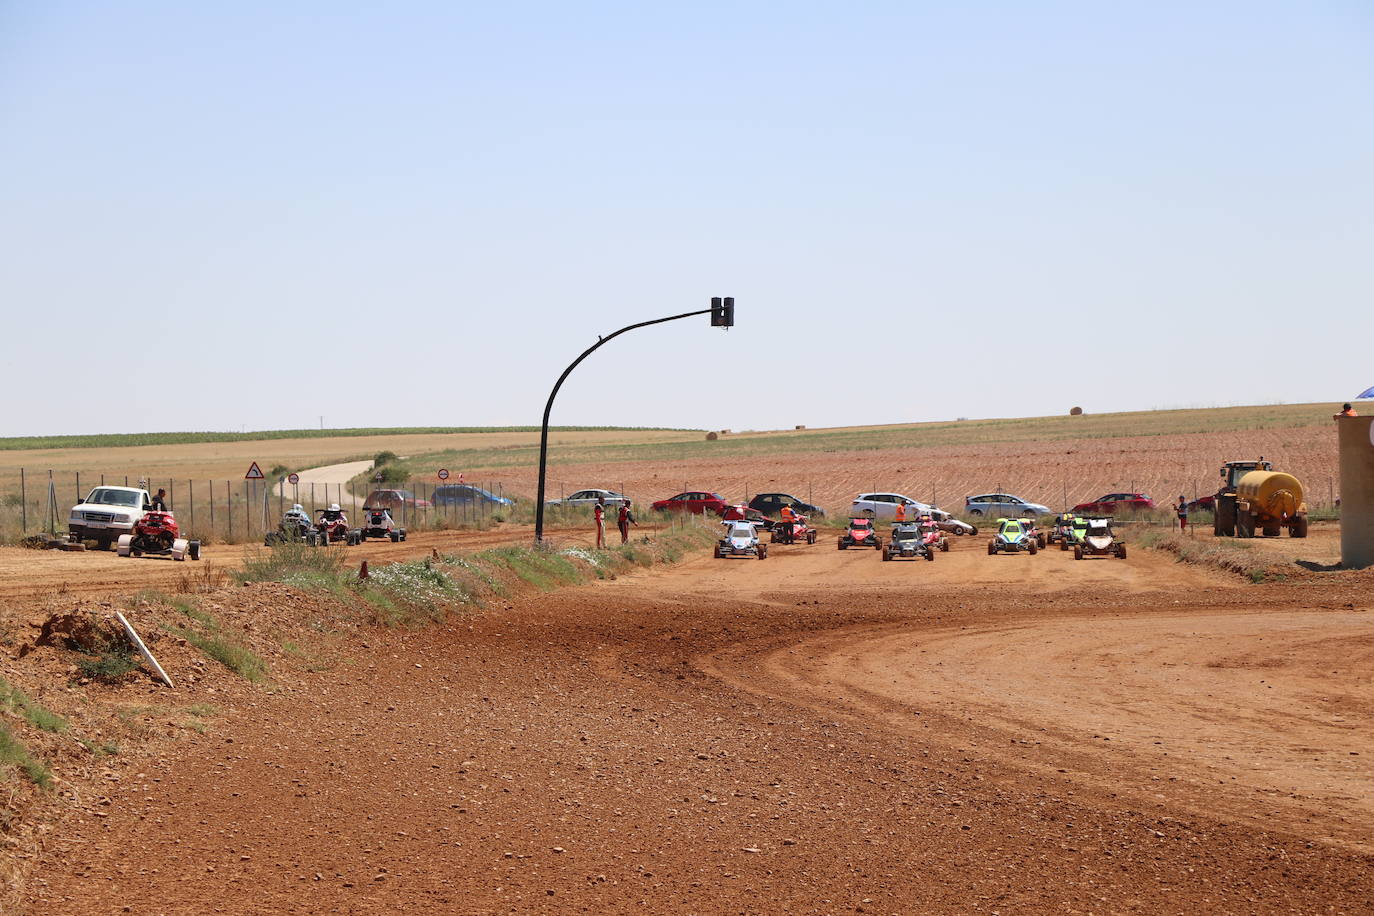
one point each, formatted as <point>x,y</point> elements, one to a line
<point>1256,498</point>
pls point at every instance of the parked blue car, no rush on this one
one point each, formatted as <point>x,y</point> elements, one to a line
<point>462,494</point>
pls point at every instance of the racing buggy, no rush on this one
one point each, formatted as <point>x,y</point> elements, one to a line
<point>333,528</point>
<point>295,527</point>
<point>377,523</point>
<point>790,532</point>
<point>1028,523</point>
<point>1099,541</point>
<point>951,524</point>
<point>1013,535</point>
<point>157,534</point>
<point>1062,532</point>
<point>933,534</point>
<point>741,540</point>
<point>907,543</point>
<point>860,533</point>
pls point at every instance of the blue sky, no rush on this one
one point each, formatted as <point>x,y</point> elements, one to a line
<point>419,213</point>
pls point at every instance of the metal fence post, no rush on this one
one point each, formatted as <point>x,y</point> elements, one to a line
<point>23,503</point>
<point>191,498</point>
<point>229,509</point>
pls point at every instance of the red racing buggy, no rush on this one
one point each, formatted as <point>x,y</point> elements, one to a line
<point>860,533</point>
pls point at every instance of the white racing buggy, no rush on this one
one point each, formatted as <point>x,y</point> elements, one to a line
<point>377,523</point>
<point>741,540</point>
<point>1099,541</point>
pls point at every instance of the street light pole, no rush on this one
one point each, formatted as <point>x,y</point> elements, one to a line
<point>722,316</point>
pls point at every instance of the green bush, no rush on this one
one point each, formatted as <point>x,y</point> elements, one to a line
<point>13,753</point>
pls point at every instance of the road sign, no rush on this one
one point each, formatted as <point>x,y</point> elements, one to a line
<point>254,472</point>
<point>294,477</point>
<point>443,473</point>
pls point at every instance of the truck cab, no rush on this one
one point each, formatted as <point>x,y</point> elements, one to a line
<point>1233,471</point>
<point>106,513</point>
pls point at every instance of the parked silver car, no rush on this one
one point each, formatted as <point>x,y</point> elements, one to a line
<point>587,499</point>
<point>996,505</point>
<point>884,505</point>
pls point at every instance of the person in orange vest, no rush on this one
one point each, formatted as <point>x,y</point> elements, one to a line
<point>1347,411</point>
<point>901,513</point>
<point>788,517</point>
<point>600,513</point>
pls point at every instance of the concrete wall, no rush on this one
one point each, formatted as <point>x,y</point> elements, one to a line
<point>1355,436</point>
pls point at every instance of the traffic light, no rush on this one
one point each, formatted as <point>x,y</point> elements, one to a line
<point>722,312</point>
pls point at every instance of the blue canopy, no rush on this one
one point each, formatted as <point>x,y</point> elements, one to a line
<point>1365,395</point>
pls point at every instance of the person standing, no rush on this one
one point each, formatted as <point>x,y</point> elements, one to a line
<point>624,520</point>
<point>160,500</point>
<point>1182,511</point>
<point>600,513</point>
<point>900,515</point>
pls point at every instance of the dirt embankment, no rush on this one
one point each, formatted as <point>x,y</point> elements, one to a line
<point>819,732</point>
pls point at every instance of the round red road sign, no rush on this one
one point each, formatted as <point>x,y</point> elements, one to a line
<point>443,473</point>
<point>293,477</point>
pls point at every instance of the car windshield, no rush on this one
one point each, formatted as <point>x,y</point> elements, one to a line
<point>858,523</point>
<point>742,531</point>
<point>105,496</point>
<point>1011,528</point>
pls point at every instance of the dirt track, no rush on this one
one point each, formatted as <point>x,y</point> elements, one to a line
<point>820,732</point>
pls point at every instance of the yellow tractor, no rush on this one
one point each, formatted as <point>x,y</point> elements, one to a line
<point>1256,498</point>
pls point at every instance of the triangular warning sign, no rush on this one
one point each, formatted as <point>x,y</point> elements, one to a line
<point>254,472</point>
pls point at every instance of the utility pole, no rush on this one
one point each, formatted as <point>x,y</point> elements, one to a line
<point>722,312</point>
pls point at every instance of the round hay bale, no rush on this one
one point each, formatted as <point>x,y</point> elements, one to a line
<point>711,437</point>
<point>1075,411</point>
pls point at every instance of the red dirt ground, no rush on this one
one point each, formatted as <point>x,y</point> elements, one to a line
<point>817,733</point>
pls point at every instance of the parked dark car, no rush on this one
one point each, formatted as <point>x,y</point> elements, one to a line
<point>1113,503</point>
<point>395,499</point>
<point>697,502</point>
<point>464,494</point>
<point>770,504</point>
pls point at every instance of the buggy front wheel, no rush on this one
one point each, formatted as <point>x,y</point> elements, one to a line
<point>1078,552</point>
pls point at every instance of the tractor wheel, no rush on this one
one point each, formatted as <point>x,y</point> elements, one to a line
<point>1121,552</point>
<point>1032,548</point>
<point>1078,551</point>
<point>1273,531</point>
<point>1224,519</point>
<point>193,551</point>
<point>1298,528</point>
<point>1245,525</point>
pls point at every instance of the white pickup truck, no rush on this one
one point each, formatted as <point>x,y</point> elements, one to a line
<point>106,513</point>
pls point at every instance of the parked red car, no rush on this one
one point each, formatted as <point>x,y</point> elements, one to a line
<point>696,502</point>
<point>1113,503</point>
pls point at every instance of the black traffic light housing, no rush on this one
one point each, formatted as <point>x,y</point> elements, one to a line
<point>722,312</point>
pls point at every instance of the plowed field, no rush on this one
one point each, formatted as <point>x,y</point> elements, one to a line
<point>819,732</point>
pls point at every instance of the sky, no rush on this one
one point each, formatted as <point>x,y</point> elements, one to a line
<point>258,215</point>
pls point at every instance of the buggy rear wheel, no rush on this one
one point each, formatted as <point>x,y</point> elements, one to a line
<point>930,555</point>
<point>1078,551</point>
<point>395,537</point>
<point>1032,548</point>
<point>992,549</point>
<point>1121,552</point>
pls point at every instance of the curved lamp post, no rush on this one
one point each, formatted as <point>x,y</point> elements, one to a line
<point>722,312</point>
